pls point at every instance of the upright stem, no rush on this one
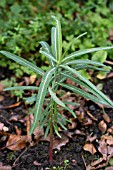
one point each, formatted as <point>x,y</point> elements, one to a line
<point>51,142</point>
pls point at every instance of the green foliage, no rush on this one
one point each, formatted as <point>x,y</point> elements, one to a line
<point>24,24</point>
<point>55,77</point>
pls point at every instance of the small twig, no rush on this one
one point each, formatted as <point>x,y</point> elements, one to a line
<point>109,62</point>
<point>19,156</point>
<point>83,160</point>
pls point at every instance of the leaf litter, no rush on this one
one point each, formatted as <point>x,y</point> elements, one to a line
<point>85,118</point>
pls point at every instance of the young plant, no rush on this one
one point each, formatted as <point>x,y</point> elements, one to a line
<point>62,66</point>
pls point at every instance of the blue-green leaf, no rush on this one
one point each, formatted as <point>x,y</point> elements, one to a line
<point>23,62</point>
<point>41,96</point>
<point>58,38</point>
<point>91,85</point>
<point>21,88</point>
<point>48,55</point>
<point>86,51</point>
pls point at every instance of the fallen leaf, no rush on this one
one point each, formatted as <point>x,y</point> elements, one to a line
<point>32,78</point>
<point>5,167</point>
<point>103,148</point>
<point>1,87</point>
<point>5,129</point>
<point>91,116</point>
<point>91,138</point>
<point>102,126</point>
<point>13,105</point>
<point>90,148</point>
<point>1,98</point>
<point>1,126</point>
<point>106,118</point>
<point>59,142</point>
<point>16,142</point>
<point>73,123</point>
<point>36,163</point>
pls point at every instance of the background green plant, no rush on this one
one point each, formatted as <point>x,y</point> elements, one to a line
<point>24,23</point>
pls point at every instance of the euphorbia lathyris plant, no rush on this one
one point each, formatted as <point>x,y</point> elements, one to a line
<point>62,66</point>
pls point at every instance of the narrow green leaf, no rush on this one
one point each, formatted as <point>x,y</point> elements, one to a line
<point>23,62</point>
<point>46,46</point>
<point>83,93</point>
<point>70,43</point>
<point>48,55</point>
<point>91,85</point>
<point>54,42</point>
<point>58,38</point>
<point>21,88</point>
<point>72,103</point>
<point>60,123</point>
<point>44,120</point>
<point>81,83</point>
<point>30,99</point>
<point>47,128</point>
<point>86,51</point>
<point>59,102</point>
<point>55,98</point>
<point>56,130</point>
<point>84,62</point>
<point>82,66</point>
<point>41,96</point>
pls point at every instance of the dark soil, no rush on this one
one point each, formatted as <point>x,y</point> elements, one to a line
<point>72,152</point>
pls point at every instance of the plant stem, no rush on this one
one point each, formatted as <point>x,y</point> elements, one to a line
<point>51,142</point>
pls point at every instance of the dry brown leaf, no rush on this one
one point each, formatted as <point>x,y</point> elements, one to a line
<point>90,148</point>
<point>37,132</point>
<point>1,98</point>
<point>102,126</point>
<point>32,79</point>
<point>78,132</point>
<point>16,142</point>
<point>73,124</point>
<point>80,115</point>
<point>18,131</point>
<point>13,105</point>
<point>36,163</point>
<point>59,142</point>
<point>87,121</point>
<point>91,138</point>
<point>103,148</point>
<point>5,167</point>
<point>110,130</point>
<point>1,87</point>
<point>91,116</point>
<point>1,126</point>
<point>106,118</point>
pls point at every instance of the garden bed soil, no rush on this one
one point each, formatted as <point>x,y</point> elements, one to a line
<point>71,156</point>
